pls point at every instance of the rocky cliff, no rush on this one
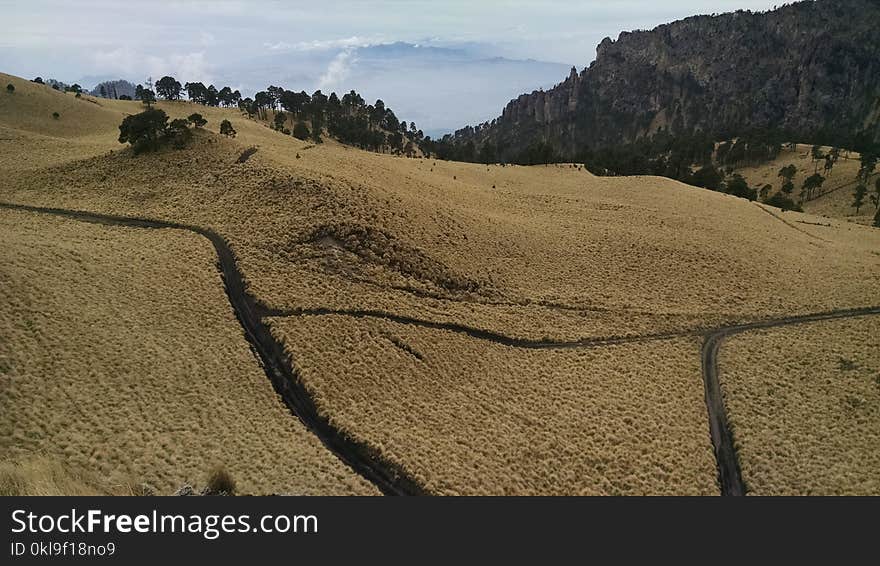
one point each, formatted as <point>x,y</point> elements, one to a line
<point>811,69</point>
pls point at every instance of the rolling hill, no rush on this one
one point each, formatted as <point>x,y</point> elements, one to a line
<point>468,329</point>
<point>835,198</point>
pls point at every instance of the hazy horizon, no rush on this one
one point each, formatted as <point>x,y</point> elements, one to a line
<point>443,66</point>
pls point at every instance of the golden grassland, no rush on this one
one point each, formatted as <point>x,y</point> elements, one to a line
<point>120,355</point>
<point>835,204</point>
<point>537,251</point>
<point>465,416</point>
<point>578,256</point>
<point>533,252</point>
<point>31,138</point>
<point>804,402</point>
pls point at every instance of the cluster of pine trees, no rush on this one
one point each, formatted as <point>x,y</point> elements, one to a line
<point>349,119</point>
<point>864,187</point>
<point>58,85</point>
<point>695,159</point>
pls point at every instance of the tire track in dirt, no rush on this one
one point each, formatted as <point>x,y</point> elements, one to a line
<point>363,459</point>
<point>389,478</point>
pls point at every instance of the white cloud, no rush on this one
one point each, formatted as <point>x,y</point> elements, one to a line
<point>189,67</point>
<point>325,44</point>
<point>207,38</point>
<point>121,60</point>
<point>338,69</point>
<point>129,63</point>
<point>279,46</point>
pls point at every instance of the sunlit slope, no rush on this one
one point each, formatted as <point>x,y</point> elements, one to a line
<point>805,405</point>
<point>537,251</point>
<point>120,355</point>
<point>470,417</point>
<point>31,106</point>
<point>333,239</point>
<point>31,137</point>
<point>840,182</point>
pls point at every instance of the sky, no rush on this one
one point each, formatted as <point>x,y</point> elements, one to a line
<point>441,63</point>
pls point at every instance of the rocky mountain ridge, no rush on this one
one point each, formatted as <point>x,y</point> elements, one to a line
<point>810,69</point>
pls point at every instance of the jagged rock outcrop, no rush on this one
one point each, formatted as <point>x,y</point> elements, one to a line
<point>811,69</point>
<point>114,89</point>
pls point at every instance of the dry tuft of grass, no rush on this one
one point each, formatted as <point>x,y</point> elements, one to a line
<point>120,356</point>
<point>804,402</point>
<point>42,475</point>
<point>220,482</point>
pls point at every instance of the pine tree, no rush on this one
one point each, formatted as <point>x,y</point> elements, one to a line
<point>226,128</point>
<point>859,197</point>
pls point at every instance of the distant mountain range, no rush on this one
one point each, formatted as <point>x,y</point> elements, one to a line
<point>810,69</point>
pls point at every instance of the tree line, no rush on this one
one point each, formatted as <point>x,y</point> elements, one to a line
<point>349,119</point>
<point>867,167</point>
<point>695,159</point>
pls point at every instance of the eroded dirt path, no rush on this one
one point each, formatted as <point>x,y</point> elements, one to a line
<point>488,335</point>
<point>729,473</point>
<point>366,461</point>
<point>387,477</point>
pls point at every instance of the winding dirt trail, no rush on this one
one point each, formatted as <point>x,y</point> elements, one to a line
<point>729,473</point>
<point>368,462</point>
<point>488,335</point>
<point>364,460</point>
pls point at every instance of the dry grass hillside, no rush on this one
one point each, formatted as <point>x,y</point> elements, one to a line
<point>469,417</point>
<point>528,250</point>
<point>805,404</point>
<point>841,180</point>
<point>31,138</point>
<point>46,475</point>
<point>545,252</point>
<point>120,354</point>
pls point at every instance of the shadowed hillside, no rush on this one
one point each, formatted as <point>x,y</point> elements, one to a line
<point>809,70</point>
